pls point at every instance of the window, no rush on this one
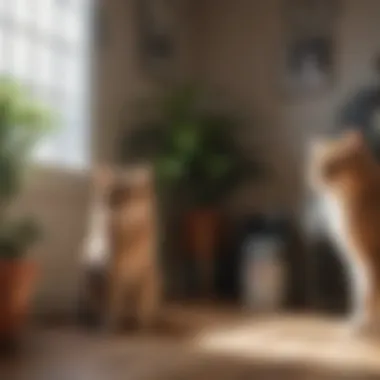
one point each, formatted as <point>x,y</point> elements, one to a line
<point>46,45</point>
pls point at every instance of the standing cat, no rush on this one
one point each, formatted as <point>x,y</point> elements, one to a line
<point>121,248</point>
<point>347,178</point>
<point>133,268</point>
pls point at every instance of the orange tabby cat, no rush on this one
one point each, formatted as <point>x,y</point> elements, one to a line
<point>347,177</point>
<point>133,275</point>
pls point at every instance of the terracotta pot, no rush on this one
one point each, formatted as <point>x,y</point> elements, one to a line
<point>202,232</point>
<point>202,229</point>
<point>17,280</point>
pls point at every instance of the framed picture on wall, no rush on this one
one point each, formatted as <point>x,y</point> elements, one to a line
<point>309,64</point>
<point>156,36</point>
<point>309,54</point>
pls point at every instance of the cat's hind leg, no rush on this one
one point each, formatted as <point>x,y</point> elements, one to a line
<point>148,301</point>
<point>115,304</point>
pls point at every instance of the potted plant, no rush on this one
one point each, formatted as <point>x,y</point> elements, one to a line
<point>22,122</point>
<point>195,153</point>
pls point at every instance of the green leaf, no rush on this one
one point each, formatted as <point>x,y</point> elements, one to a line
<point>9,177</point>
<point>170,168</point>
<point>186,139</point>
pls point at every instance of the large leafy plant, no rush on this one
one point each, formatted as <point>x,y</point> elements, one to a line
<point>193,147</point>
<point>22,122</point>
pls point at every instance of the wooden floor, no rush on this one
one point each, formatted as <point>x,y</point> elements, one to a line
<point>204,345</point>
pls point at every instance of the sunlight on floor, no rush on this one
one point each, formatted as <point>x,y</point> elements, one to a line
<point>303,339</point>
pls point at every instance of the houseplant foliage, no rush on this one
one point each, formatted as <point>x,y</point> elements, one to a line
<point>193,147</point>
<point>22,122</point>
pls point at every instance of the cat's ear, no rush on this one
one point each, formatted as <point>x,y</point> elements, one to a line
<point>354,139</point>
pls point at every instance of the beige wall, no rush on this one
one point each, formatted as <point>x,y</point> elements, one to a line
<point>58,200</point>
<point>118,77</point>
<point>237,45</point>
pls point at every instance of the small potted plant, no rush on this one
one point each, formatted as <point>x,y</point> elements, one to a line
<point>22,122</point>
<point>195,153</point>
